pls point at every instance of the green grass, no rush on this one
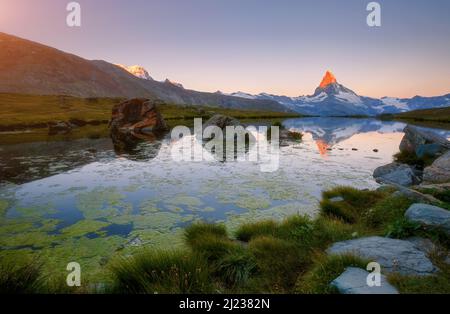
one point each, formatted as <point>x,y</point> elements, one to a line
<point>32,110</point>
<point>252,230</point>
<point>197,231</point>
<point>326,268</point>
<point>434,115</point>
<point>355,203</point>
<point>287,256</point>
<point>277,260</point>
<point>160,272</point>
<point>23,278</point>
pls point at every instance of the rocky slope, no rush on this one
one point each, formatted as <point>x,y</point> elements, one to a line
<point>27,67</point>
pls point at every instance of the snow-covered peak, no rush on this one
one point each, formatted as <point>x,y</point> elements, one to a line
<point>328,79</point>
<point>243,95</point>
<point>137,71</point>
<point>349,97</point>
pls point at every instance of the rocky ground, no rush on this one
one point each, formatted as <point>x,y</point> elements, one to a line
<point>426,171</point>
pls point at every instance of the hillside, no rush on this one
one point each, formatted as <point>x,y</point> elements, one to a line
<point>19,112</point>
<point>435,115</point>
<point>27,67</point>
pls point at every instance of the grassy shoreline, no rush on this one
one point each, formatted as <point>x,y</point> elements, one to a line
<point>438,117</point>
<point>19,112</point>
<point>265,256</point>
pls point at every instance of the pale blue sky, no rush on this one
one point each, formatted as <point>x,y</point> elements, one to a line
<point>281,47</point>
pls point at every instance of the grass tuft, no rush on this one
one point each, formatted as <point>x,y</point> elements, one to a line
<point>160,272</point>
<point>24,278</point>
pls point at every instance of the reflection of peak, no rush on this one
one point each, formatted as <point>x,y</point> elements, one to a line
<point>327,80</point>
<point>322,146</point>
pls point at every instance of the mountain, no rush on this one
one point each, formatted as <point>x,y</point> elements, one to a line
<point>333,99</point>
<point>137,71</point>
<point>167,81</point>
<point>28,67</point>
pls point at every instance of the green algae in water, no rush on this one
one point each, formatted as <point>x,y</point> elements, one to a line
<point>91,254</point>
<point>155,221</point>
<point>15,226</point>
<point>190,202</point>
<point>102,203</point>
<point>156,239</point>
<point>36,211</point>
<point>35,239</point>
<point>3,207</point>
<point>83,227</point>
<point>148,206</point>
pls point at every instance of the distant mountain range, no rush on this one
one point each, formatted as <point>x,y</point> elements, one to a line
<point>27,67</point>
<point>334,99</point>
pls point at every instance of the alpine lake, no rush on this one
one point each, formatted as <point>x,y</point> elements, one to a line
<point>82,200</point>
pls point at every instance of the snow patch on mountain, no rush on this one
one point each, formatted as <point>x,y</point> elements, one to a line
<point>137,71</point>
<point>394,102</point>
<point>243,95</point>
<point>350,98</point>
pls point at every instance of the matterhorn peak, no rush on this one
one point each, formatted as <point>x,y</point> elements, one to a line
<point>137,71</point>
<point>328,79</point>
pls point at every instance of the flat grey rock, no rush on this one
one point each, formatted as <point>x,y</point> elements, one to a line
<point>354,281</point>
<point>392,254</point>
<point>397,173</point>
<point>429,216</point>
<point>439,171</point>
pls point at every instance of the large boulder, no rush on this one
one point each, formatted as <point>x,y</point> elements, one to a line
<point>392,254</point>
<point>138,115</point>
<point>134,122</point>
<point>354,281</point>
<point>439,171</point>
<point>397,173</point>
<point>429,216</point>
<point>421,142</point>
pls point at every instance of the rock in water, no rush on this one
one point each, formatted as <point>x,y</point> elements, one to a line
<point>354,281</point>
<point>396,173</point>
<point>138,115</point>
<point>221,121</point>
<point>429,216</point>
<point>392,254</point>
<point>135,121</point>
<point>439,171</point>
<point>421,142</point>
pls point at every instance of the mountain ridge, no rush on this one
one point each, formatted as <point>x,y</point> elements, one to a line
<point>31,68</point>
<point>28,67</point>
<point>334,99</point>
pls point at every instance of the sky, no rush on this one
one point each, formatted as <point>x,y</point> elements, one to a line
<point>275,46</point>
